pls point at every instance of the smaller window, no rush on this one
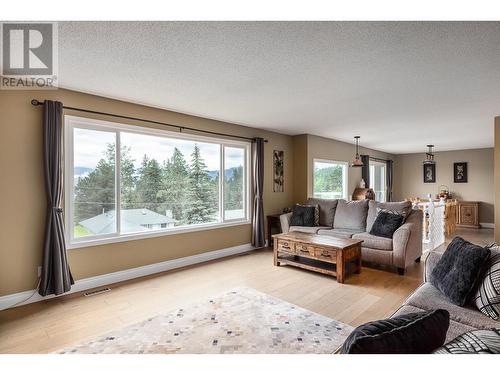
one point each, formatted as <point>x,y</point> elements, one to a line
<point>329,179</point>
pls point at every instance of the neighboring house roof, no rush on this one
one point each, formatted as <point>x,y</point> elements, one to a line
<point>132,220</point>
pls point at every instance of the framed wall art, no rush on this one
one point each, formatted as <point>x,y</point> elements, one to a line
<point>460,172</point>
<point>278,171</point>
<point>429,173</point>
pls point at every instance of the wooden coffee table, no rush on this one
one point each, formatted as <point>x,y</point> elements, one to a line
<point>325,254</point>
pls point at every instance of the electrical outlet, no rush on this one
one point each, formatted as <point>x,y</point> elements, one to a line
<point>39,271</point>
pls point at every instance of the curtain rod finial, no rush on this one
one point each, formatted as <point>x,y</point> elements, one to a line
<point>36,102</point>
<point>255,139</point>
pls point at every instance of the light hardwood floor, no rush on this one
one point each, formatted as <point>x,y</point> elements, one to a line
<point>50,325</point>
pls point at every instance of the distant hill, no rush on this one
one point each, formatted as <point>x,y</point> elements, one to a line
<point>215,174</point>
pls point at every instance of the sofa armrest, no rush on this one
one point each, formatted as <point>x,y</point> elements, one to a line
<point>285,222</point>
<point>430,262</point>
<point>407,240</point>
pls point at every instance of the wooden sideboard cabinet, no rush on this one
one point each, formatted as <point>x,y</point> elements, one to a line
<point>468,214</point>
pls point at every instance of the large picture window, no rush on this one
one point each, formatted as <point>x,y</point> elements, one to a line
<point>329,179</point>
<point>127,181</point>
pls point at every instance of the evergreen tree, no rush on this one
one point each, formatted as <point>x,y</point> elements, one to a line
<point>175,182</point>
<point>202,203</point>
<point>95,193</point>
<point>233,189</point>
<point>127,179</point>
<point>148,185</point>
<point>328,179</point>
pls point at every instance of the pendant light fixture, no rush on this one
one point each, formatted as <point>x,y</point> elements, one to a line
<point>429,156</point>
<point>357,159</point>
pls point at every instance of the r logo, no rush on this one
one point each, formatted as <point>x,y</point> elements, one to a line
<point>27,49</point>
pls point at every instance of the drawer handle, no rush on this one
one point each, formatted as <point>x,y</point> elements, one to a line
<point>326,254</point>
<point>284,244</point>
<point>303,249</point>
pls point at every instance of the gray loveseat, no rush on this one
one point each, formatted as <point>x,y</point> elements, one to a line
<point>354,219</point>
<point>427,297</point>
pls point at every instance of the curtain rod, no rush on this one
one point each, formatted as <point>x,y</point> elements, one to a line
<point>181,128</point>
<point>378,159</point>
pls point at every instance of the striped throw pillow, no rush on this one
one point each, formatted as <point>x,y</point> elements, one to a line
<point>484,341</point>
<point>487,297</point>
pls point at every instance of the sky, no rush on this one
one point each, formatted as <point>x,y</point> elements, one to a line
<point>318,165</point>
<point>90,146</point>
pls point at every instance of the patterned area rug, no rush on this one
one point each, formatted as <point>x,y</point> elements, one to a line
<point>239,321</point>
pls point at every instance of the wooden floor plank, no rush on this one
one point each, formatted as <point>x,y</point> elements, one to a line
<point>53,324</point>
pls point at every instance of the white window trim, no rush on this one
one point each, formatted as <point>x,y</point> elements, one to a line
<point>71,122</point>
<point>345,175</point>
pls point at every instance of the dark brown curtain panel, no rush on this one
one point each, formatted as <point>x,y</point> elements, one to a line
<point>258,237</point>
<point>56,276</point>
<point>365,169</point>
<point>389,178</point>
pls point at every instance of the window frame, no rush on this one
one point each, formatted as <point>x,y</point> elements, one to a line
<point>345,175</point>
<point>72,122</point>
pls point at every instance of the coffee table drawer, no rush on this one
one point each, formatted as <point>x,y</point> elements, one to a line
<point>304,249</point>
<point>287,246</point>
<point>325,254</point>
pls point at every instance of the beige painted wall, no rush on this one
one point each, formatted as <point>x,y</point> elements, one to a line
<point>300,168</point>
<point>497,177</point>
<point>409,178</point>
<point>22,196</point>
<point>330,149</point>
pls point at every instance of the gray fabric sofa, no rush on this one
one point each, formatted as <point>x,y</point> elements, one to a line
<point>427,297</point>
<point>354,219</point>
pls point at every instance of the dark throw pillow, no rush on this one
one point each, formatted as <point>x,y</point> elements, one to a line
<point>305,216</point>
<point>415,333</point>
<point>487,298</point>
<point>386,224</point>
<point>458,270</point>
<point>483,341</point>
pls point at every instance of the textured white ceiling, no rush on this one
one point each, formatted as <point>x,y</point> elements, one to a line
<point>400,85</point>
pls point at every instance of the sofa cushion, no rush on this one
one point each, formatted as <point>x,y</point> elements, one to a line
<point>341,233</point>
<point>314,230</point>
<point>457,272</point>
<point>484,341</point>
<point>326,210</point>
<point>455,329</point>
<point>386,224</point>
<point>427,297</point>
<point>351,215</point>
<point>413,333</point>
<point>374,242</point>
<point>399,207</point>
<point>305,216</point>
<point>487,298</point>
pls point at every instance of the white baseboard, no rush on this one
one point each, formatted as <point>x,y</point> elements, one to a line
<point>487,225</point>
<point>23,298</point>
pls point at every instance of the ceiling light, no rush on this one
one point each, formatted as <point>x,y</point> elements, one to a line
<point>357,159</point>
<point>429,156</point>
